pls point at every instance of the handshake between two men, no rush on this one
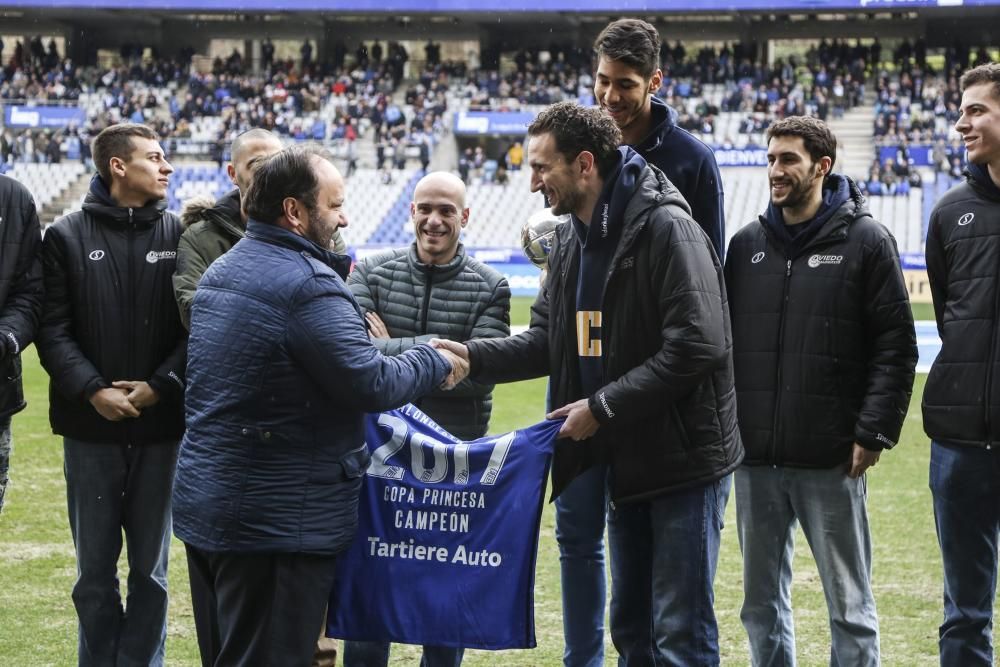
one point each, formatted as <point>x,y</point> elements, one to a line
<point>580,422</point>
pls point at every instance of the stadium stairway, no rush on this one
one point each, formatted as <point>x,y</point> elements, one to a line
<point>394,228</point>
<point>69,200</point>
<point>854,132</point>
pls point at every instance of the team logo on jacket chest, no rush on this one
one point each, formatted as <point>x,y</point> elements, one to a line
<point>154,256</point>
<point>966,219</point>
<point>818,260</point>
<point>96,255</point>
<point>757,258</point>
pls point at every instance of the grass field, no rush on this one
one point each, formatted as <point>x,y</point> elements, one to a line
<point>38,623</point>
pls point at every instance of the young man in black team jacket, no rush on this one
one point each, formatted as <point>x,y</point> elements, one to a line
<point>825,352</point>
<point>112,342</point>
<point>962,398</point>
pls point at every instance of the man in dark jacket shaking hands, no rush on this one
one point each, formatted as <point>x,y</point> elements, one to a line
<point>633,330</point>
<point>825,353</point>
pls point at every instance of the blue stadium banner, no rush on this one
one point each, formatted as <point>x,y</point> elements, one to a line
<point>447,537</point>
<point>493,122</point>
<point>43,116</point>
<point>741,157</point>
<point>919,154</point>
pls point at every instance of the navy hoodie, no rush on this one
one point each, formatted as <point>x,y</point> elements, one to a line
<point>836,191</point>
<point>598,243</point>
<point>690,165</point>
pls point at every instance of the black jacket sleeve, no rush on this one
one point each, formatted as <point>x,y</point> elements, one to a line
<point>71,372</point>
<point>21,312</point>
<point>892,346</point>
<point>520,357</point>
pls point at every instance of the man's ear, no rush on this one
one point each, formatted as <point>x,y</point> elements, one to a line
<point>586,162</point>
<point>825,166</point>
<point>295,214</point>
<point>117,166</point>
<point>231,171</point>
<point>655,81</point>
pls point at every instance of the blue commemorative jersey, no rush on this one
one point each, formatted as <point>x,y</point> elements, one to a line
<point>447,537</point>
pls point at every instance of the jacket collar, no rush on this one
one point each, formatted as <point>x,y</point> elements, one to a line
<point>663,120</point>
<point>979,178</point>
<point>275,235</point>
<point>835,225</point>
<point>438,271</point>
<point>100,204</point>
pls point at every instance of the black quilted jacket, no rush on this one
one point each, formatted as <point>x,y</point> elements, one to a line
<point>961,401</point>
<point>110,315</point>
<point>823,340</point>
<point>461,300</point>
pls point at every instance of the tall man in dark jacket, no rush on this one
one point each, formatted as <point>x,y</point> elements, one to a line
<point>961,403</point>
<point>825,353</point>
<point>625,83</point>
<point>20,303</point>
<point>281,374</point>
<point>632,328</point>
<point>433,289</point>
<point>114,348</point>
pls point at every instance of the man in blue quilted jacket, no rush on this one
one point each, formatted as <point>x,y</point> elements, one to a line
<point>281,374</point>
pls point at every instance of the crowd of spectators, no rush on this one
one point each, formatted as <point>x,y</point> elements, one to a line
<point>349,96</point>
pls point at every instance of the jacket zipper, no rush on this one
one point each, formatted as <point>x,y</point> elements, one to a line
<point>427,300</point>
<point>130,276</point>
<point>777,379</point>
<point>781,342</point>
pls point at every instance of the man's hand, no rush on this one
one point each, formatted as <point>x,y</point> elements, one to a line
<point>452,346</point>
<point>861,460</point>
<point>376,327</point>
<point>138,392</point>
<point>459,368</point>
<point>113,404</point>
<point>580,423</point>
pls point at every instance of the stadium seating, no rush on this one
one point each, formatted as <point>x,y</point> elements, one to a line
<point>46,181</point>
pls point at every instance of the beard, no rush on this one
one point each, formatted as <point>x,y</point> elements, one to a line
<point>568,202</point>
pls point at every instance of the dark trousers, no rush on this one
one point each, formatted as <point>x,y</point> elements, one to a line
<point>965,483</point>
<point>258,609</point>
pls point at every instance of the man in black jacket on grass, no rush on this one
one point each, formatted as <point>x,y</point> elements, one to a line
<point>114,347</point>
<point>632,329</point>
<point>961,402</point>
<point>20,303</point>
<point>825,352</point>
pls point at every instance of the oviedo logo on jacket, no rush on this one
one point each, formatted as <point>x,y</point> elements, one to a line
<point>818,260</point>
<point>154,256</point>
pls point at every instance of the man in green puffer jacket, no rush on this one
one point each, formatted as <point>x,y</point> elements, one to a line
<point>433,289</point>
<point>211,229</point>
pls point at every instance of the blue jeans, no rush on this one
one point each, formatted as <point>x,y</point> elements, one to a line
<point>5,449</point>
<point>376,654</point>
<point>110,488</point>
<point>965,483</point>
<point>833,512</point>
<point>664,554</point>
<point>580,516</point>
